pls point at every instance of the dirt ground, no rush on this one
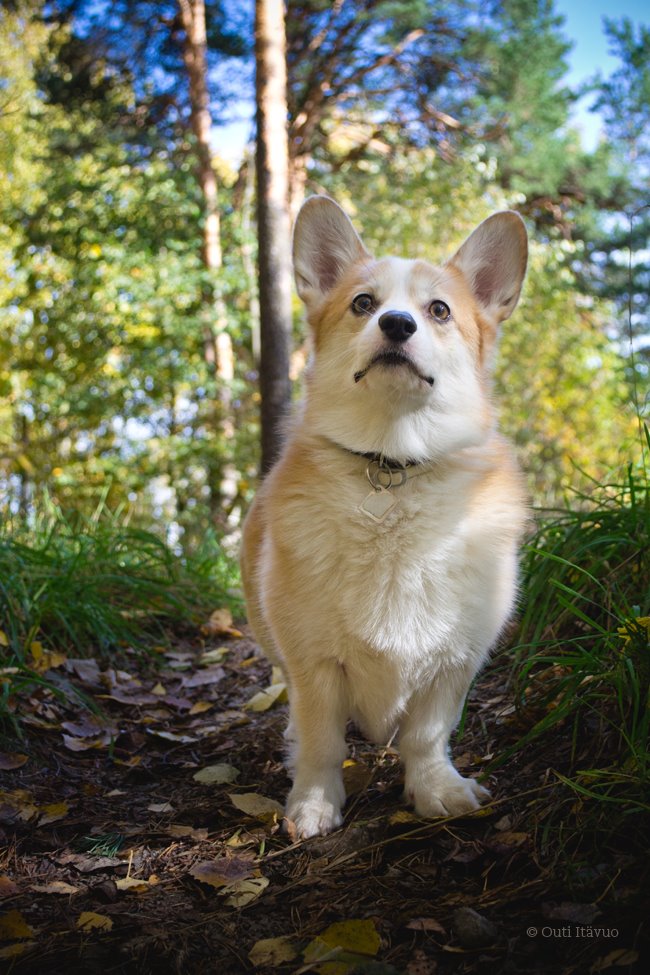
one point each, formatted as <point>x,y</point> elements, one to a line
<point>117,858</point>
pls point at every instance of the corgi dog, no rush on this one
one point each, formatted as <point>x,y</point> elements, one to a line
<point>379,558</point>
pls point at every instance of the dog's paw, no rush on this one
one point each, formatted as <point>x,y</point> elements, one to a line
<point>446,793</point>
<point>315,810</point>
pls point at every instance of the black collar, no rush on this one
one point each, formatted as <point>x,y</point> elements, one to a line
<point>380,459</point>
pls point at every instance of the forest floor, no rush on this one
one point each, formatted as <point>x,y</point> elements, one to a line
<point>119,859</point>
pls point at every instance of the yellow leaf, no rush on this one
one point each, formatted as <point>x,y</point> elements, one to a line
<point>357,936</point>
<point>4,639</point>
<point>135,884</point>
<point>55,887</point>
<point>159,690</point>
<point>12,951</point>
<point>13,926</point>
<point>270,952</point>
<point>53,812</point>
<point>89,921</point>
<point>342,947</point>
<point>201,706</point>
<point>263,700</point>
<point>267,810</point>
<point>403,816</point>
<point>216,774</point>
<point>244,891</point>
<point>220,624</point>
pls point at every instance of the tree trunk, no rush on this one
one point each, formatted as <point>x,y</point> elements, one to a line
<point>217,343</point>
<point>274,232</point>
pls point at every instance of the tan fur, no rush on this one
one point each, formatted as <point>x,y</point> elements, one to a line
<point>388,622</point>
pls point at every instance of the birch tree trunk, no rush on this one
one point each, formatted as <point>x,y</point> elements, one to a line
<point>217,343</point>
<point>273,221</point>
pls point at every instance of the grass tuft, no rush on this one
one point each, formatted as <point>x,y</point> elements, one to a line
<point>93,586</point>
<point>581,670</point>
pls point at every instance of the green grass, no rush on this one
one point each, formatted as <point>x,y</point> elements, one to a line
<point>581,668</point>
<point>92,586</point>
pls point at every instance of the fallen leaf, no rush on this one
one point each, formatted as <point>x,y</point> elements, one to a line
<point>134,697</point>
<point>89,921</point>
<point>214,656</point>
<point>356,777</point>
<point>86,744</point>
<point>244,891</point>
<point>171,736</point>
<point>216,774</point>
<point>267,810</point>
<point>358,936</point>
<point>13,926</point>
<point>210,675</point>
<point>7,886</point>
<point>265,699</point>
<point>88,864</point>
<point>53,812</point>
<point>4,639</point>
<point>201,706</point>
<point>11,760</point>
<point>19,948</point>
<point>160,807</point>
<point>220,624</point>
<point>136,885</point>
<point>270,952</point>
<point>88,726</point>
<point>403,816</point>
<point>159,689</point>
<point>86,670</point>
<point>55,887</point>
<point>224,871</point>
<point>568,911</point>
<point>17,806</point>
<point>342,947</point>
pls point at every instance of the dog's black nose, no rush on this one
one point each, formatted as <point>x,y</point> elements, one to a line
<point>397,326</point>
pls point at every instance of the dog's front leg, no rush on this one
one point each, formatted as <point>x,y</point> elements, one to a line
<point>317,726</point>
<point>432,784</point>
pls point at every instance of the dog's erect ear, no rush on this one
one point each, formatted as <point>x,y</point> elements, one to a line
<point>324,245</point>
<point>493,260</point>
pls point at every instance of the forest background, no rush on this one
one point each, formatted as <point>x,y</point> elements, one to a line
<point>129,368</point>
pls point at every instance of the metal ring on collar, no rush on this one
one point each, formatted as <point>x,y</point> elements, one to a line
<point>381,475</point>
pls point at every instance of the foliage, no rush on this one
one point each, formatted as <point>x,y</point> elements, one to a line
<point>103,377</point>
<point>582,667</point>
<point>95,586</point>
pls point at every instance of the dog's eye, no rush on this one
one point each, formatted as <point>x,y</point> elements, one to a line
<point>363,304</point>
<point>440,311</point>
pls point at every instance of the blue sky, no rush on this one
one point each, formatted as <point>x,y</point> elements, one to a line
<point>583,27</point>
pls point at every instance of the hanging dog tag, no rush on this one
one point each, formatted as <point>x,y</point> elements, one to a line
<point>377,504</point>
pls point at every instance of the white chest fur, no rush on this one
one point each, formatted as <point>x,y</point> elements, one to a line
<point>434,577</point>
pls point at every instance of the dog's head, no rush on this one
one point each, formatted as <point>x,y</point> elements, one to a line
<point>403,349</point>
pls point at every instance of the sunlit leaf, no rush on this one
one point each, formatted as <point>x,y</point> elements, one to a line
<point>245,891</point>
<point>267,810</point>
<point>90,921</point>
<point>216,774</point>
<point>270,952</point>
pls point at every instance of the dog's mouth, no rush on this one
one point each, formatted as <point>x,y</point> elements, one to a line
<point>392,358</point>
